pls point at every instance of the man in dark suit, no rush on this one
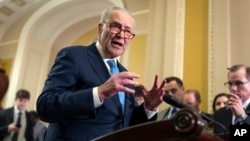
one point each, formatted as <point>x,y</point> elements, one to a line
<point>192,98</point>
<point>174,87</point>
<point>80,100</point>
<point>9,124</point>
<point>237,110</point>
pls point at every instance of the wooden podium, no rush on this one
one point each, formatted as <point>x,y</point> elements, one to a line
<point>184,126</point>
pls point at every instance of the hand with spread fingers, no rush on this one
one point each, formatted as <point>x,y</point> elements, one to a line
<point>117,83</point>
<point>153,97</point>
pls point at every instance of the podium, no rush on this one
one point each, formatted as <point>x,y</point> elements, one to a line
<point>186,125</point>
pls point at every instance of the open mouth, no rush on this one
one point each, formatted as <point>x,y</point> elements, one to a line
<point>116,43</point>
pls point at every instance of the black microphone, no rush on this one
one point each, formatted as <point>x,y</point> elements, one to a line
<point>177,103</point>
<point>174,102</point>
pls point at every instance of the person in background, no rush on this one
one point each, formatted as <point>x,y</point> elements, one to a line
<point>174,87</point>
<point>220,101</point>
<point>236,110</point>
<point>39,128</point>
<point>139,95</point>
<point>192,98</point>
<point>16,123</point>
<point>88,93</point>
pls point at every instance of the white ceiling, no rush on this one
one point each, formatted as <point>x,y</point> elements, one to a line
<point>13,10</point>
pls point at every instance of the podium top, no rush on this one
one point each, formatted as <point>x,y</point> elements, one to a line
<point>186,125</point>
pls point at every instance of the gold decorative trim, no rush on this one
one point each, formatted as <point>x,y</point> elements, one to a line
<point>179,50</point>
<point>211,66</point>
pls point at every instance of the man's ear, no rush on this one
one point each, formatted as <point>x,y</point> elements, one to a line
<point>183,88</point>
<point>100,28</point>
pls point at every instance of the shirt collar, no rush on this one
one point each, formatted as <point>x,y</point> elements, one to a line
<point>16,110</point>
<point>100,50</point>
<point>246,103</point>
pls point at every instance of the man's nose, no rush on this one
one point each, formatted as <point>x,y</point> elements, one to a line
<point>234,88</point>
<point>121,33</point>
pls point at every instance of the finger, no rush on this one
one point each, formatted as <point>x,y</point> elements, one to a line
<point>129,82</point>
<point>236,95</point>
<point>232,96</point>
<point>155,81</point>
<point>128,90</point>
<point>229,103</point>
<point>163,84</point>
<point>128,75</point>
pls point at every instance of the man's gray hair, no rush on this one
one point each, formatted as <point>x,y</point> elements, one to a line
<point>108,10</point>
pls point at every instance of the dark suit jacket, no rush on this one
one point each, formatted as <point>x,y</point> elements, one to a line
<point>7,117</point>
<point>224,116</point>
<point>67,101</point>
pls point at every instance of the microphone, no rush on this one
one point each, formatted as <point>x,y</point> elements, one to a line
<point>177,103</point>
<point>174,102</point>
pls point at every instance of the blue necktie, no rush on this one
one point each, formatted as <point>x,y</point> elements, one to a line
<point>115,70</point>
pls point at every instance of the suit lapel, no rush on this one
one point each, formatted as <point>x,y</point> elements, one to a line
<point>97,64</point>
<point>161,114</point>
<point>248,109</point>
<point>11,114</point>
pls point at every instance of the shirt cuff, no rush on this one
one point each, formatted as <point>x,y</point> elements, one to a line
<point>97,101</point>
<point>149,113</point>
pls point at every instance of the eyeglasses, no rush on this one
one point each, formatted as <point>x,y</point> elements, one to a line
<point>237,84</point>
<point>116,28</point>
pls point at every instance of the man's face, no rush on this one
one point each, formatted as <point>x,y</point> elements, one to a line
<point>190,100</point>
<point>174,90</point>
<point>21,103</point>
<point>113,44</point>
<point>239,84</point>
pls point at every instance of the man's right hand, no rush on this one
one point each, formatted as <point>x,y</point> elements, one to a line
<point>117,83</point>
<point>13,128</point>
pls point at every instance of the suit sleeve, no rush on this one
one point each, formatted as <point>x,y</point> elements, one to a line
<point>3,125</point>
<point>139,116</point>
<point>63,96</point>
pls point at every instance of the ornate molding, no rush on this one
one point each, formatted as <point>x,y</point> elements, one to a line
<point>211,64</point>
<point>179,50</point>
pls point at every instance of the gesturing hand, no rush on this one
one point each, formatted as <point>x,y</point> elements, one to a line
<point>117,83</point>
<point>154,97</point>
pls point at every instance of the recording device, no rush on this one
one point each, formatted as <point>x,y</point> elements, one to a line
<point>175,102</point>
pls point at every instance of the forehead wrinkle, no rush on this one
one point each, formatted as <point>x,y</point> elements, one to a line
<point>121,17</point>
